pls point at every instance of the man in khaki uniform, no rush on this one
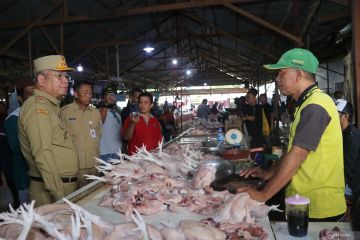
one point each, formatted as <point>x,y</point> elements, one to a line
<point>84,124</point>
<point>45,143</point>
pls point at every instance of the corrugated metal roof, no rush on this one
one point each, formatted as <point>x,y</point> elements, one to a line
<point>225,41</point>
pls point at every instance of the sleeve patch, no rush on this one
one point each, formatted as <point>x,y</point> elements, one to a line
<point>42,111</point>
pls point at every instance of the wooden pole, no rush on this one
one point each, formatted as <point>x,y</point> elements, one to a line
<point>30,54</point>
<point>62,38</point>
<point>181,110</point>
<point>356,56</point>
<point>117,62</point>
<point>107,61</point>
<point>62,13</point>
<point>29,47</point>
<point>327,78</point>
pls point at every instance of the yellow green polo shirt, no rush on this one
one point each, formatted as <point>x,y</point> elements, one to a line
<point>321,176</point>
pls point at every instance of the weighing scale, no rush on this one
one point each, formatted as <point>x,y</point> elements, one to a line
<point>234,137</point>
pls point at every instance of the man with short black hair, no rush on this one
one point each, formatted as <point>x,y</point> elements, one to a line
<point>83,122</point>
<point>132,105</point>
<point>143,128</point>
<point>204,110</point>
<point>351,145</point>
<point>253,119</point>
<point>110,142</point>
<point>338,95</point>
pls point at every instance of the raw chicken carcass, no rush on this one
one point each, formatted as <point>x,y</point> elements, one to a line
<point>70,221</point>
<point>196,230</point>
<point>192,230</point>
<point>123,206</point>
<point>130,170</point>
<point>237,231</point>
<point>153,170</point>
<point>236,209</point>
<point>128,231</point>
<point>172,234</point>
<point>204,176</point>
<point>262,210</point>
<point>58,222</point>
<point>150,207</point>
<point>124,231</point>
<point>11,231</point>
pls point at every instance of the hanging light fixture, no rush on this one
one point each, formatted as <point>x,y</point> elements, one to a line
<point>148,49</point>
<point>174,61</point>
<point>79,68</point>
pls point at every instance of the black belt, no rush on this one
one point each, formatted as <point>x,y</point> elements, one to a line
<point>63,179</point>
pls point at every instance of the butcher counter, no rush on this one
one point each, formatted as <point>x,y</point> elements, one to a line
<point>90,196</point>
<point>96,190</point>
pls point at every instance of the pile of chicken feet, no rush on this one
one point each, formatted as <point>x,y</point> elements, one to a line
<point>69,221</point>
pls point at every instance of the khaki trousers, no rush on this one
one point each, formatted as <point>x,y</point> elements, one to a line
<point>41,196</point>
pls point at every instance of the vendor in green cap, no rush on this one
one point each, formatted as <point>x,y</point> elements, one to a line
<point>313,166</point>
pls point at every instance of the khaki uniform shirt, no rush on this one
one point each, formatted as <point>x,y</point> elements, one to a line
<point>85,129</point>
<point>45,143</point>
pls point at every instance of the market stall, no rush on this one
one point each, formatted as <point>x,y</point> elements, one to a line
<point>90,196</point>
<point>91,203</point>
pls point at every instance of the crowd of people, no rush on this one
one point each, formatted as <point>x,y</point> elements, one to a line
<point>46,150</point>
<point>256,113</point>
<point>216,112</point>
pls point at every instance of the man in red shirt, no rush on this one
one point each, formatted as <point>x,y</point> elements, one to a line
<point>142,128</point>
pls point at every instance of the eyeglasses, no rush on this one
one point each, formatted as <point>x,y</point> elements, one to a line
<point>59,75</point>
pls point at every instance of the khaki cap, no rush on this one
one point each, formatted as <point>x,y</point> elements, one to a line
<point>51,62</point>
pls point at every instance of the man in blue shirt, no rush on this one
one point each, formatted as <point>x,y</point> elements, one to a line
<point>204,110</point>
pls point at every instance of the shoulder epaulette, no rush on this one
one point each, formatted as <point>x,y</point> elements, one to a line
<point>40,99</point>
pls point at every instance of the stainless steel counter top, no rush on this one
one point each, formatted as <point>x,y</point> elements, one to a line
<point>90,201</point>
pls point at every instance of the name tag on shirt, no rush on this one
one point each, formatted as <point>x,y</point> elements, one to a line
<point>92,133</point>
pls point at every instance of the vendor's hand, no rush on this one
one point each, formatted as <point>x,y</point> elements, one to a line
<point>255,172</point>
<point>254,194</point>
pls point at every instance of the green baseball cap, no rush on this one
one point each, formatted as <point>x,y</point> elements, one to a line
<point>296,58</point>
